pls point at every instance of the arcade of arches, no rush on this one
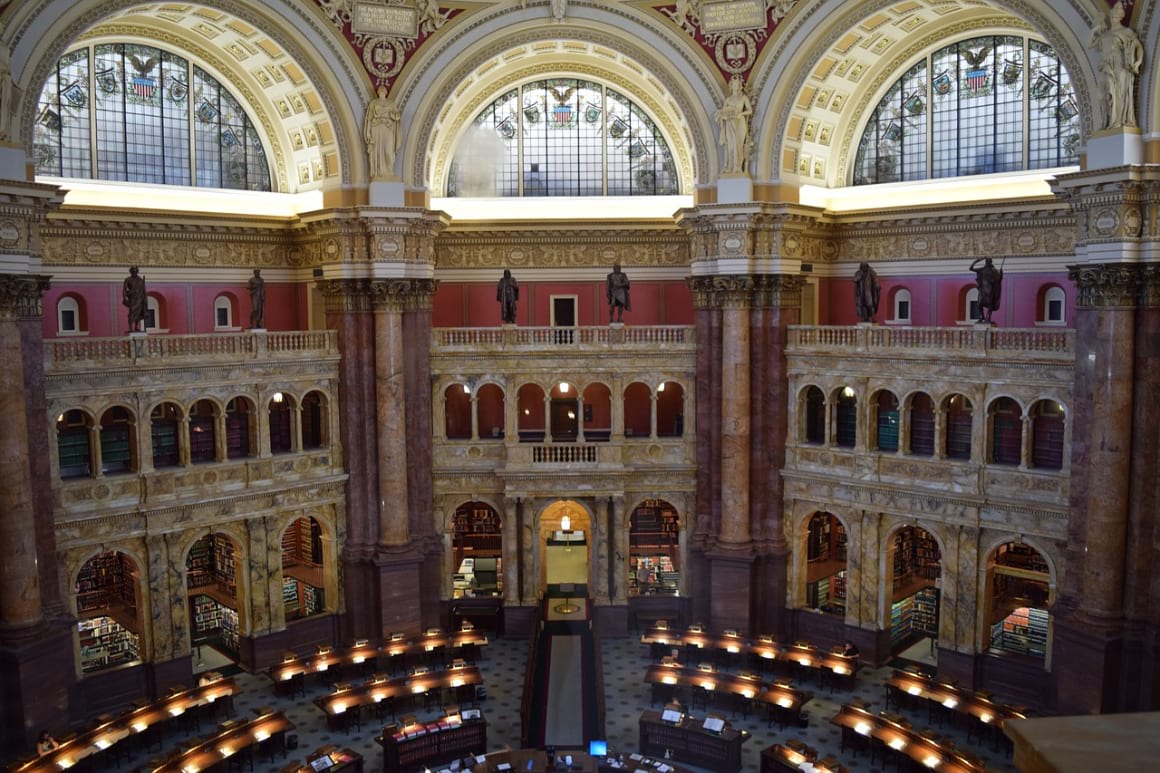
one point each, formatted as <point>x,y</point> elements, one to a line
<point>678,411</point>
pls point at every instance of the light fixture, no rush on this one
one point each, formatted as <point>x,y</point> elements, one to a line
<point>571,415</point>
<point>862,728</point>
<point>527,411</point>
<point>467,389</point>
<point>278,397</point>
<point>563,387</point>
<point>566,523</point>
<point>847,392</point>
<point>897,744</point>
<point>661,387</point>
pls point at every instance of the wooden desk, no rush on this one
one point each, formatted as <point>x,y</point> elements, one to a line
<point>691,743</point>
<point>840,668</point>
<point>905,687</point>
<point>431,642</point>
<point>235,738</point>
<point>516,761</point>
<point>132,723</point>
<point>782,702</point>
<point>885,731</point>
<point>380,689</point>
<point>328,759</point>
<point>778,758</point>
<point>321,663</point>
<point>428,744</point>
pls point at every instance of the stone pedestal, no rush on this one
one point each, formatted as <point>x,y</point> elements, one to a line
<point>730,589</point>
<point>734,189</point>
<point>1110,148</point>
<point>386,193</point>
<point>399,589</point>
<point>1087,657</point>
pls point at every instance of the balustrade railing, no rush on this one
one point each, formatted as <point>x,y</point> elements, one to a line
<point>605,337</point>
<point>967,341</point>
<point>69,352</point>
<point>565,454</point>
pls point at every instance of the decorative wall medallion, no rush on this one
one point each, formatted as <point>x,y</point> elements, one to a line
<point>1132,221</point>
<point>331,248</point>
<point>388,248</point>
<point>9,233</point>
<point>1025,241</point>
<point>1106,222</point>
<point>732,244</point>
<point>202,253</point>
<point>95,249</point>
<point>920,245</point>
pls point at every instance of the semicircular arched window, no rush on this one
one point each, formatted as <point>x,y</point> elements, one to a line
<point>998,103</point>
<point>562,137</point>
<point>136,113</point>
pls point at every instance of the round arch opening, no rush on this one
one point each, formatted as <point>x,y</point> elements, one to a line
<point>476,551</point>
<point>109,612</point>
<point>915,561</point>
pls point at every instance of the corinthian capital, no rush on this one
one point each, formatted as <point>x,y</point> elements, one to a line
<point>402,294</point>
<point>20,296</point>
<point>1106,286</point>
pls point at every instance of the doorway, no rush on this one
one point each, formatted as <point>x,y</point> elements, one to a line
<point>565,537</point>
<point>564,316</point>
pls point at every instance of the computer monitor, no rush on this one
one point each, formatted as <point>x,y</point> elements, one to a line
<point>598,748</point>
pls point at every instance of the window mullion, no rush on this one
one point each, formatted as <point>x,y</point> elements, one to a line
<point>520,140</point>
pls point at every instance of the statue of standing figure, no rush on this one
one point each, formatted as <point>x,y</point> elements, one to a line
<point>989,281</point>
<point>866,292</point>
<point>133,298</point>
<point>1120,58</point>
<point>617,292</point>
<point>733,120</point>
<point>257,287</point>
<point>507,292</point>
<point>381,132</point>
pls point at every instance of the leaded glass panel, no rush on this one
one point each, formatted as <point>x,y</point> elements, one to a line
<point>143,115</point>
<point>562,137</point>
<point>989,104</point>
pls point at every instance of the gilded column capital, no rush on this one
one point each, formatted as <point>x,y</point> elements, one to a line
<point>345,296</point>
<point>780,290</point>
<point>746,290</point>
<point>1106,285</point>
<point>402,294</point>
<point>20,296</point>
<point>1150,286</point>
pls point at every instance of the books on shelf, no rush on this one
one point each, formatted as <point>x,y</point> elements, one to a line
<point>105,642</point>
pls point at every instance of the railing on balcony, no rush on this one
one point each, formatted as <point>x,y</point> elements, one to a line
<point>565,454</point>
<point>963,341</point>
<point>66,352</point>
<point>451,339</point>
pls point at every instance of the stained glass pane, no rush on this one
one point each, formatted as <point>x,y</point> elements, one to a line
<point>142,106</point>
<point>973,104</point>
<point>562,137</point>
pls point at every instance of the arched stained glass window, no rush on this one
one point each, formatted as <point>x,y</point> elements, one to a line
<point>998,103</point>
<point>563,137</point>
<point>136,113</point>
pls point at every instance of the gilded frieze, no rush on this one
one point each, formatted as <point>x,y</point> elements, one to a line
<point>561,248</point>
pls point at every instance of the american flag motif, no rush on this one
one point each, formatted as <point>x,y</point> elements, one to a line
<point>144,87</point>
<point>562,114</point>
<point>976,80</point>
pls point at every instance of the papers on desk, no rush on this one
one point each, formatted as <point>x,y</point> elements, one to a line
<point>503,766</point>
<point>714,724</point>
<point>671,715</point>
<point>322,763</point>
<point>470,714</point>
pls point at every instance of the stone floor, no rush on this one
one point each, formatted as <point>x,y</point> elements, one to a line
<point>626,695</point>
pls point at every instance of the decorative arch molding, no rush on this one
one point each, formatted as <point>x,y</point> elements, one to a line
<point>439,94</point>
<point>810,44</point>
<point>1053,553</point>
<point>44,31</point>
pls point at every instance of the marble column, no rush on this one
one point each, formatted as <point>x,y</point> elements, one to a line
<point>348,312</point>
<point>20,602</point>
<point>606,555</point>
<point>1088,634</point>
<point>510,551</point>
<point>391,414</point>
<point>735,419</point>
<point>617,520</point>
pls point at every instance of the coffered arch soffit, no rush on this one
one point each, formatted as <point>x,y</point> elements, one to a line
<point>299,82</point>
<point>442,91</point>
<point>842,57</point>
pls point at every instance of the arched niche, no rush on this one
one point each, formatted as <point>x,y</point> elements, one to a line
<point>110,612</point>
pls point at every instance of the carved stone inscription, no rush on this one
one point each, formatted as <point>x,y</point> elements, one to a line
<point>732,15</point>
<point>394,20</point>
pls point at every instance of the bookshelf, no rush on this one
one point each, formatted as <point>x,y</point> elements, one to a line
<point>654,539</point>
<point>916,556</point>
<point>421,745</point>
<point>199,564</point>
<point>163,433</point>
<point>212,622</point>
<point>901,613</point>
<point>104,643</point>
<point>116,455</point>
<point>224,569</point>
<point>73,448</point>
<point>1024,631</point>
<point>925,618</point>
<point>105,581</point>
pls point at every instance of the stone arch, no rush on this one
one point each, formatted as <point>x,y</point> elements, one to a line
<point>815,52</point>
<point>337,80</point>
<point>441,91</point>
